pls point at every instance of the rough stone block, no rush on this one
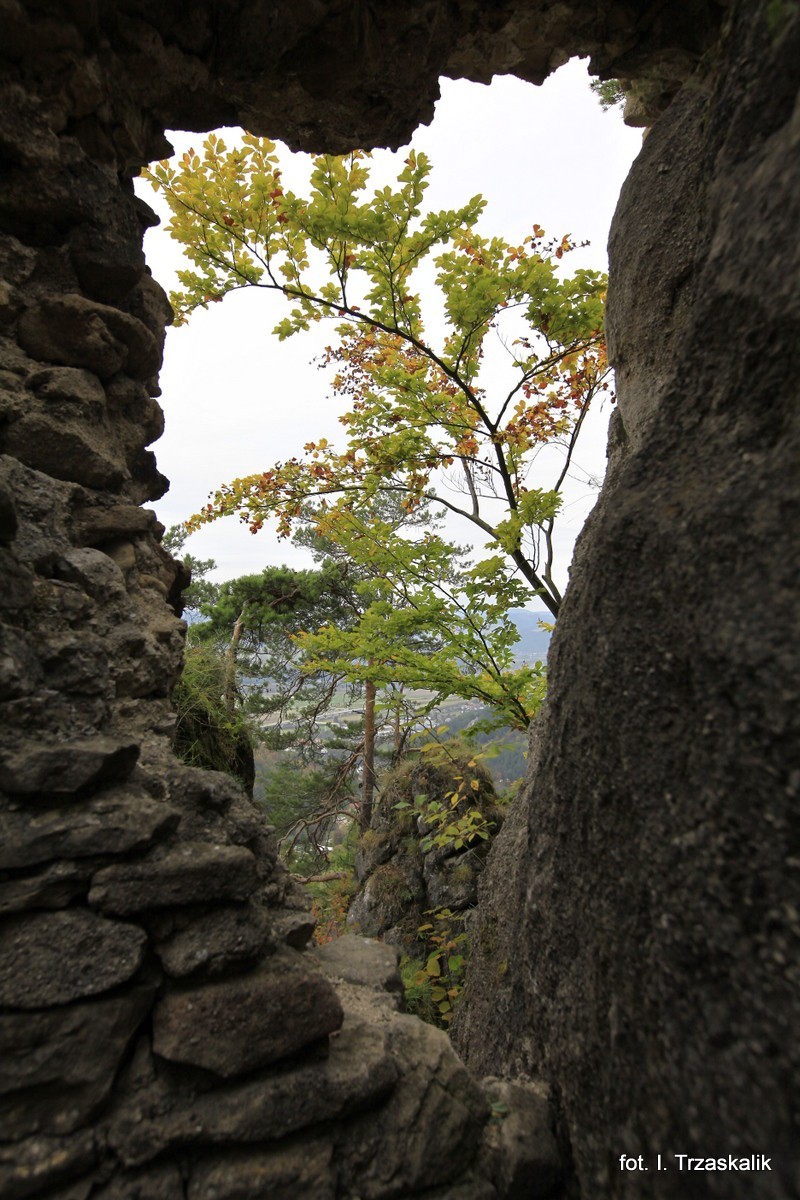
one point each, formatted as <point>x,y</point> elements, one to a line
<point>72,331</point>
<point>429,1130</point>
<point>8,517</point>
<point>65,451</point>
<point>16,593</point>
<point>93,571</point>
<point>471,1186</point>
<point>211,942</point>
<point>97,525</point>
<point>360,961</point>
<point>76,664</point>
<point>70,385</point>
<point>66,767</point>
<point>358,1075</point>
<point>302,1171</point>
<point>40,1163</point>
<point>238,1025</point>
<point>112,823</point>
<point>453,882</point>
<point>107,264</point>
<point>162,1182</point>
<point>54,958</point>
<point>294,928</point>
<point>20,670</point>
<point>132,400</point>
<point>58,1066</point>
<point>196,789</point>
<point>519,1153</point>
<point>387,897</point>
<point>54,887</point>
<point>191,873</point>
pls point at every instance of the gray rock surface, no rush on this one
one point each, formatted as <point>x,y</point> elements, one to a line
<point>520,1152</point>
<point>111,823</point>
<point>191,873</point>
<point>53,958</point>
<point>67,768</point>
<point>402,878</point>
<point>162,1182</point>
<point>429,1130</point>
<point>236,1025</point>
<point>39,1163</point>
<point>211,942</point>
<point>357,1075</point>
<point>302,1170</point>
<point>655,908</point>
<point>53,887</point>
<point>360,961</point>
<point>58,1066</point>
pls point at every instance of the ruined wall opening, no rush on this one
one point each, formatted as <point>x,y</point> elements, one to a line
<point>142,905</point>
<point>227,351</point>
<point>236,399</point>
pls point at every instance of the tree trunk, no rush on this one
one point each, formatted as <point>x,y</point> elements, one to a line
<point>368,776</point>
<point>400,732</point>
<point>230,660</point>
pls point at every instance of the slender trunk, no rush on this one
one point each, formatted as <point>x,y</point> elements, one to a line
<point>230,660</point>
<point>398,733</point>
<point>368,776</point>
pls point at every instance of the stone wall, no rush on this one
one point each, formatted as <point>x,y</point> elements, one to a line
<point>160,1034</point>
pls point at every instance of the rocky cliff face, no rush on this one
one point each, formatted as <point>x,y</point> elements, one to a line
<point>652,860</point>
<point>152,1017</point>
<point>407,866</point>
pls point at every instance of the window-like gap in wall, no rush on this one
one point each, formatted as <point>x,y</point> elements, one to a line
<point>236,399</point>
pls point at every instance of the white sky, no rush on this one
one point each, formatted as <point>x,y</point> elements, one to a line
<point>236,400</point>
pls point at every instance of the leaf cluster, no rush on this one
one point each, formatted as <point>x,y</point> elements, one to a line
<point>443,969</point>
<point>418,408</point>
<point>211,732</point>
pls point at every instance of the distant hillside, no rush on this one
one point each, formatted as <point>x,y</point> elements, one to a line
<point>533,641</point>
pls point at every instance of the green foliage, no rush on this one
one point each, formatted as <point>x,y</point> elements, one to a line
<point>265,613</point>
<point>779,13</point>
<point>390,882</point>
<point>450,816</point>
<point>417,988</point>
<point>502,750</point>
<point>448,829</point>
<point>210,732</point>
<point>290,790</point>
<point>434,982</point>
<point>425,623</point>
<point>440,976</point>
<point>609,92</point>
<point>331,898</point>
<point>277,599</point>
<point>419,419</point>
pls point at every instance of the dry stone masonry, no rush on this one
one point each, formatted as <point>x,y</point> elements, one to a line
<point>162,1033</point>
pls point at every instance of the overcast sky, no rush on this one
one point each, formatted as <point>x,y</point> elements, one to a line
<point>236,400</point>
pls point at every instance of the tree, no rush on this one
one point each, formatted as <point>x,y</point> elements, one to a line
<point>262,618</point>
<point>425,623</point>
<point>211,728</point>
<point>610,93</point>
<point>420,421</point>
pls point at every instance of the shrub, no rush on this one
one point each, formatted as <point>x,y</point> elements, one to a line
<point>211,731</point>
